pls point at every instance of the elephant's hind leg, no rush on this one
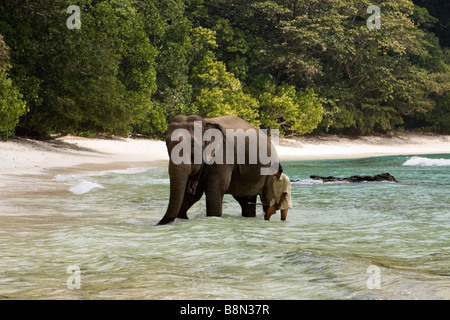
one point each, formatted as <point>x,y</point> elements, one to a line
<point>248,205</point>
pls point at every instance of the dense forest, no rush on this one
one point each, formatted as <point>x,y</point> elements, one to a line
<point>304,66</point>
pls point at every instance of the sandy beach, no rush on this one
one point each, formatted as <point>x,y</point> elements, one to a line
<point>26,156</point>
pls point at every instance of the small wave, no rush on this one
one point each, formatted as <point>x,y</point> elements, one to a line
<point>68,177</point>
<point>308,182</point>
<point>65,177</point>
<point>84,186</point>
<point>129,171</point>
<point>426,162</point>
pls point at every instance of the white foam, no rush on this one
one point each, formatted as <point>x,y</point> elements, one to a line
<point>307,182</point>
<point>129,171</point>
<point>158,181</point>
<point>68,177</point>
<point>84,186</point>
<point>426,162</point>
<point>65,177</point>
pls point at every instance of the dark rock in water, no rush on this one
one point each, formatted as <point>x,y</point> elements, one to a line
<point>379,177</point>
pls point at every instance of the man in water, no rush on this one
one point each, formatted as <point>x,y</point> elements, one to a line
<point>282,195</point>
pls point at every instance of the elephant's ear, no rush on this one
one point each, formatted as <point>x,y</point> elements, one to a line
<point>214,149</point>
<point>214,125</point>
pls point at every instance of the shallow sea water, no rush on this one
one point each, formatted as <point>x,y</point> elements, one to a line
<point>341,240</point>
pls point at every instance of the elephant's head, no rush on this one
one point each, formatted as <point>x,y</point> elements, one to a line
<point>185,162</point>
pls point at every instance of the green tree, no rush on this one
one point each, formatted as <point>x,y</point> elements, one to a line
<point>301,66</point>
<point>368,80</point>
<point>12,107</point>
<point>293,112</point>
<point>169,31</point>
<point>435,18</point>
<point>217,92</point>
<point>99,78</point>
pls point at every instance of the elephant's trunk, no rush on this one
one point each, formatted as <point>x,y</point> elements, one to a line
<point>179,175</point>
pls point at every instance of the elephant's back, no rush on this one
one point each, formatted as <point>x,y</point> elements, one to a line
<point>231,122</point>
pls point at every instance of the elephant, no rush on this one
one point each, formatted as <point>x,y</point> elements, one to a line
<point>237,171</point>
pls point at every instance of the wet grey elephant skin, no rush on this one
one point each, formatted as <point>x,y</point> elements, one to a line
<point>244,181</point>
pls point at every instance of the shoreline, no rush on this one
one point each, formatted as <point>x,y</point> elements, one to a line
<point>338,147</point>
<point>34,157</point>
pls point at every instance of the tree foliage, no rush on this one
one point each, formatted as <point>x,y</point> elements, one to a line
<point>11,103</point>
<point>300,66</point>
<point>99,78</point>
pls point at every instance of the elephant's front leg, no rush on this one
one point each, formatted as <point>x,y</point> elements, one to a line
<point>218,181</point>
<point>213,204</point>
<point>188,201</point>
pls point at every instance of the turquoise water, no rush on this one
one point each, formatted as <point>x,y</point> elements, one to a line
<point>102,223</point>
